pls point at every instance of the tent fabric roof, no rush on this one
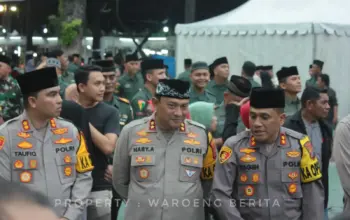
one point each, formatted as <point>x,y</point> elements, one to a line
<point>260,17</point>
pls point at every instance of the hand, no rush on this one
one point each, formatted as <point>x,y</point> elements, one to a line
<point>240,103</point>
<point>108,173</point>
<point>71,93</point>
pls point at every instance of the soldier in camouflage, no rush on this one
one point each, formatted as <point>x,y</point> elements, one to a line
<point>10,94</point>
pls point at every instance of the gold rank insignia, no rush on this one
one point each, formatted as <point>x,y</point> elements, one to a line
<point>182,127</point>
<point>68,171</point>
<point>144,173</point>
<point>195,160</point>
<point>192,135</point>
<point>293,175</point>
<point>247,150</point>
<point>25,145</point>
<point>243,178</point>
<point>63,141</point>
<point>225,154</point>
<point>152,125</point>
<point>255,178</point>
<point>283,139</point>
<point>67,159</point>
<point>247,158</point>
<point>192,142</point>
<point>18,164</point>
<point>188,160</point>
<point>142,133</point>
<point>53,123</point>
<point>143,141</point>
<point>25,177</point>
<point>293,154</point>
<point>249,191</point>
<point>252,141</point>
<point>33,164</point>
<point>59,131</point>
<point>23,135</point>
<point>292,188</point>
<point>25,125</point>
<point>2,142</point>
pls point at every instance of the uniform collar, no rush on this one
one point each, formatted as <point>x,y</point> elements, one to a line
<point>152,126</point>
<point>290,101</point>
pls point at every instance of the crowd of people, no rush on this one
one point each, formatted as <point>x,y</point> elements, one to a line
<point>206,145</point>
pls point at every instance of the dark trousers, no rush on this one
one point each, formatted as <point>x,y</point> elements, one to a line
<point>116,203</point>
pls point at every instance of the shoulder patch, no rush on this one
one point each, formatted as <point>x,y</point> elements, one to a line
<point>124,100</point>
<point>195,123</point>
<point>225,154</point>
<point>292,133</point>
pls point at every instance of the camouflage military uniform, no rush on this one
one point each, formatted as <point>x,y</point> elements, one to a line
<point>126,114</point>
<point>11,103</point>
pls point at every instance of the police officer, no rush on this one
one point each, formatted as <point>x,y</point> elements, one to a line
<point>152,71</point>
<point>289,81</point>
<point>200,77</point>
<point>131,81</point>
<point>159,160</point>
<point>122,104</point>
<point>45,153</point>
<point>269,172</point>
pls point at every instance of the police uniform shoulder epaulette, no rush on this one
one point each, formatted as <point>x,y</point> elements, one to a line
<point>66,122</point>
<point>124,100</point>
<point>9,122</point>
<point>240,136</point>
<point>195,124</point>
<point>293,133</point>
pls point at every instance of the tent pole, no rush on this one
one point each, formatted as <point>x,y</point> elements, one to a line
<point>313,41</point>
<point>190,11</point>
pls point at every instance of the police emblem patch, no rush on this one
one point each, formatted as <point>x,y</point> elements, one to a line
<point>18,164</point>
<point>25,145</point>
<point>255,178</point>
<point>192,142</point>
<point>225,154</point>
<point>67,159</point>
<point>293,175</point>
<point>249,191</point>
<point>292,188</point>
<point>142,133</point>
<point>59,131</point>
<point>23,135</point>
<point>143,141</point>
<point>243,178</point>
<point>188,160</point>
<point>247,150</point>
<point>190,173</point>
<point>25,177</point>
<point>33,164</point>
<point>68,171</point>
<point>63,141</point>
<point>144,173</point>
<point>192,135</point>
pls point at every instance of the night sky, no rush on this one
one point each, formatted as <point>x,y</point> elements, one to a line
<point>137,14</point>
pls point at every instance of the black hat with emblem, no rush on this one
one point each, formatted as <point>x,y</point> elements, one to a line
<point>318,63</point>
<point>285,72</point>
<point>106,65</point>
<point>239,86</point>
<point>151,64</point>
<point>219,61</point>
<point>200,65</point>
<point>267,98</point>
<point>37,80</point>
<point>5,59</point>
<point>173,88</point>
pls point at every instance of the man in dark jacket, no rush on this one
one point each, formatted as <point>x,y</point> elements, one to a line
<point>310,121</point>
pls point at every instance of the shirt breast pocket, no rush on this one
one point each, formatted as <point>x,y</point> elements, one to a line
<point>25,170</point>
<point>66,167</point>
<point>143,167</point>
<point>190,168</point>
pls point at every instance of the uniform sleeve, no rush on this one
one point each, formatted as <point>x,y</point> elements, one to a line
<point>311,183</point>
<point>112,125</point>
<point>139,108</point>
<point>5,154</point>
<point>121,165</point>
<point>83,183</point>
<point>209,162</point>
<point>224,179</point>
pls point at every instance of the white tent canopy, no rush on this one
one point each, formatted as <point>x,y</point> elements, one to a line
<point>279,33</point>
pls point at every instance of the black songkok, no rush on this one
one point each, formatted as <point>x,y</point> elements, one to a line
<point>267,98</point>
<point>173,88</point>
